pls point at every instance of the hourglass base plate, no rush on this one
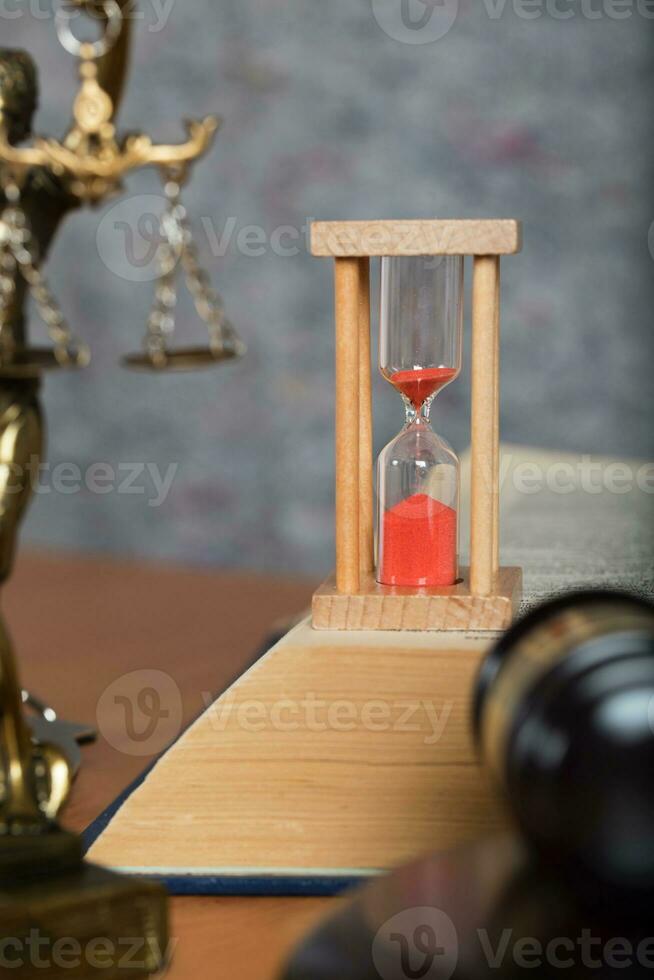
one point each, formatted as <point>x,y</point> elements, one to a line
<point>384,607</point>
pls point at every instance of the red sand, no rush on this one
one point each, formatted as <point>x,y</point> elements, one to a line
<point>419,543</point>
<point>419,385</point>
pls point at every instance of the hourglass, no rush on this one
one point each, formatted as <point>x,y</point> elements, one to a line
<point>421,323</point>
<point>401,570</point>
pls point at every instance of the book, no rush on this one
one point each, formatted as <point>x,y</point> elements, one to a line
<point>337,755</point>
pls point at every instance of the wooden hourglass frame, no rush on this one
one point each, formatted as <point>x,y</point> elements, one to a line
<point>485,595</point>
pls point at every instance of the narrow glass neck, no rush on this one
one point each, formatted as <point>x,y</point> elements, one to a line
<point>419,416</point>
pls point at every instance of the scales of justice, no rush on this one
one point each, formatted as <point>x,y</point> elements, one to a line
<point>43,880</point>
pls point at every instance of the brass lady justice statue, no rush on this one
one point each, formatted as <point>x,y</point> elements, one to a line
<point>39,183</point>
<point>36,780</point>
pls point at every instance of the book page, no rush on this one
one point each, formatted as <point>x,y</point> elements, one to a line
<point>572,520</point>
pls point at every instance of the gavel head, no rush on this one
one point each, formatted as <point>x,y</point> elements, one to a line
<point>564,717</point>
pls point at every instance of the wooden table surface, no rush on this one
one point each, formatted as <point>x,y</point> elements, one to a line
<point>78,625</point>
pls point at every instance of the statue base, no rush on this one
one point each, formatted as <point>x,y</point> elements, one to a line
<point>68,919</point>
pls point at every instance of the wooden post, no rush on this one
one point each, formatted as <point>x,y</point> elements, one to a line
<point>366,500</point>
<point>496,433</point>
<point>347,300</point>
<point>484,521</point>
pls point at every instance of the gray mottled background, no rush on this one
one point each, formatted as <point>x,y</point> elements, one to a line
<point>338,109</point>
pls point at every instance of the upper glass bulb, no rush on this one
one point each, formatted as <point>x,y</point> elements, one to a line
<point>421,324</point>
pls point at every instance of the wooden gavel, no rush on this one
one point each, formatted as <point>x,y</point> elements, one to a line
<point>564,716</point>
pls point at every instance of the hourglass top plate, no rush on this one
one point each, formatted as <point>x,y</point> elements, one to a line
<point>341,239</point>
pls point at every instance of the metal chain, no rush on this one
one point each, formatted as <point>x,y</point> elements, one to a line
<point>178,249</point>
<point>19,252</point>
<point>161,321</point>
<point>7,287</point>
